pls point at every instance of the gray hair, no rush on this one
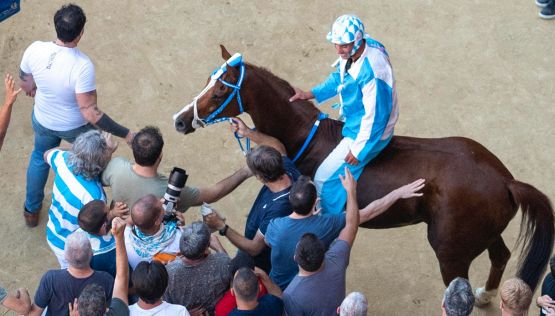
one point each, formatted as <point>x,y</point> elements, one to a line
<point>78,251</point>
<point>355,304</point>
<point>89,155</point>
<point>458,299</point>
<point>195,239</point>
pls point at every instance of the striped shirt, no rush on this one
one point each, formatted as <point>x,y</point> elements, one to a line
<point>100,244</point>
<point>368,98</point>
<point>69,194</point>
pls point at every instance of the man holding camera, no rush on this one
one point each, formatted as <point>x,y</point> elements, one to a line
<point>132,181</point>
<point>151,236</point>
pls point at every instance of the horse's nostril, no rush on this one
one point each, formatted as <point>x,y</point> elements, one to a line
<point>179,125</point>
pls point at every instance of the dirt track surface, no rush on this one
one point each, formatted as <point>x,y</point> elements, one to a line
<point>480,69</point>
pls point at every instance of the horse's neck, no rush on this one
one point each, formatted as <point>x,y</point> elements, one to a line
<point>274,115</point>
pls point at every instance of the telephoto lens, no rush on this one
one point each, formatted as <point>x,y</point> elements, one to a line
<point>176,183</point>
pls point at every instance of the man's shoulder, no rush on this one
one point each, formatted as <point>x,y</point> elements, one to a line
<point>118,162</point>
<point>102,276</point>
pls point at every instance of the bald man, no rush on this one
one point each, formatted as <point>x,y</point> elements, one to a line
<point>150,237</point>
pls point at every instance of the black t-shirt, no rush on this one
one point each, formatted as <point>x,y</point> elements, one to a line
<point>267,206</point>
<point>58,288</point>
<point>268,305</point>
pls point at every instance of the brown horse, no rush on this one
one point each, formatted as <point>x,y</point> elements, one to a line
<point>469,197</point>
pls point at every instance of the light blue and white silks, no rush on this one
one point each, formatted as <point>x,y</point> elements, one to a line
<point>368,103</point>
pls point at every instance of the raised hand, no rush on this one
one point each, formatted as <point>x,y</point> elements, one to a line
<point>348,181</point>
<point>11,93</point>
<point>239,127</point>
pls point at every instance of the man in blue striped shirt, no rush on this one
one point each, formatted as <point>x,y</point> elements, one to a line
<point>76,183</point>
<point>365,84</point>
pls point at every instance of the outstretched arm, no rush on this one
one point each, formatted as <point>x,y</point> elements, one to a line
<point>349,232</point>
<point>6,111</point>
<point>224,187</point>
<point>239,127</point>
<point>252,247</point>
<point>381,205</point>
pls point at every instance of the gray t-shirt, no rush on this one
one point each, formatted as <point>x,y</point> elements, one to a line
<point>117,308</point>
<point>128,187</point>
<point>322,292</point>
<point>201,285</point>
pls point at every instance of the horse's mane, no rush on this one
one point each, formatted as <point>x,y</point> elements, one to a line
<point>283,88</point>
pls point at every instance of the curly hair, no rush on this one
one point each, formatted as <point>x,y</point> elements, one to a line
<point>89,155</point>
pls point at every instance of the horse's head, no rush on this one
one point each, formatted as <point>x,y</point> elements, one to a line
<point>219,100</point>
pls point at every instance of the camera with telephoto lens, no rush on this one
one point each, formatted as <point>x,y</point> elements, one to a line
<point>176,183</point>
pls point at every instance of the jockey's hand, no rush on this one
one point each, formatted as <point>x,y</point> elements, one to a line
<point>110,143</point>
<point>301,95</point>
<point>348,181</point>
<point>213,221</point>
<point>351,159</point>
<point>238,126</point>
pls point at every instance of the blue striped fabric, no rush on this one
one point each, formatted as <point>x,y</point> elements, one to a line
<point>69,194</point>
<point>101,244</point>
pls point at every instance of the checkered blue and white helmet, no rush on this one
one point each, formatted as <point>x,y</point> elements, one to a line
<point>347,29</point>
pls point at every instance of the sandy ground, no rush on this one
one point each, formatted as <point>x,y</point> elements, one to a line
<point>481,69</point>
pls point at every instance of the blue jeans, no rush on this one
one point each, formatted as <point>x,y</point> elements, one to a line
<point>37,172</point>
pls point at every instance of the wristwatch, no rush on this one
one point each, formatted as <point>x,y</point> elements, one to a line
<point>223,231</point>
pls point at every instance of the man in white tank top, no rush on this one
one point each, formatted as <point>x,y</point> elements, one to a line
<point>61,79</point>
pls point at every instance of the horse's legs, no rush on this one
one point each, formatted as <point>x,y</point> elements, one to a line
<point>499,255</point>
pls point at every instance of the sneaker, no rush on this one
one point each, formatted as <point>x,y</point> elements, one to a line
<point>542,3</point>
<point>549,11</point>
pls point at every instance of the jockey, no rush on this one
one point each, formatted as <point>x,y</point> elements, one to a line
<point>368,105</point>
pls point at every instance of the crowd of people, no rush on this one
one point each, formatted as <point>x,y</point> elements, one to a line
<point>128,257</point>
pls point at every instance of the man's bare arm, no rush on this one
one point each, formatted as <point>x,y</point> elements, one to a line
<point>224,187</point>
<point>91,112</point>
<point>379,206</point>
<point>27,83</point>
<point>349,232</point>
<point>6,110</point>
<point>239,127</point>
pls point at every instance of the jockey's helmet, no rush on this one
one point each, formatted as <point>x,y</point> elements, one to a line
<point>347,29</point>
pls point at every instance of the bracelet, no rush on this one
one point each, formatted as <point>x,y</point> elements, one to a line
<point>223,231</point>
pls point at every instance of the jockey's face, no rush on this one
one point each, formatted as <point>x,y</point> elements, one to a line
<point>344,50</point>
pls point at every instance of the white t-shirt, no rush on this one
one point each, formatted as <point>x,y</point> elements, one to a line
<point>162,309</point>
<point>59,73</point>
<point>134,258</point>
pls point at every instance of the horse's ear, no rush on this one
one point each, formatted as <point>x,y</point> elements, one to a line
<point>225,54</point>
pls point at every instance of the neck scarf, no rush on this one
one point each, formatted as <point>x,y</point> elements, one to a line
<point>146,246</point>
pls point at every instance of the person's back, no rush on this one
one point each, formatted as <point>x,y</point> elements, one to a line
<point>59,72</point>
<point>198,278</point>
<point>325,289</point>
<point>283,235</point>
<point>245,289</point>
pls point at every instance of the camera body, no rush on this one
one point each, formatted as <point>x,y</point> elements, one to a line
<point>176,183</point>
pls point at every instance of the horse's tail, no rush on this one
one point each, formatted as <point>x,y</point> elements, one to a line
<point>537,230</point>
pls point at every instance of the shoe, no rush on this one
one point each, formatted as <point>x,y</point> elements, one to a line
<point>548,12</point>
<point>542,3</point>
<point>31,219</point>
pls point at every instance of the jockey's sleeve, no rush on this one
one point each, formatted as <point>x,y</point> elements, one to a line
<point>327,89</point>
<point>377,102</point>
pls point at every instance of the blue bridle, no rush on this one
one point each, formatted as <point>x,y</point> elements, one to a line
<point>234,61</point>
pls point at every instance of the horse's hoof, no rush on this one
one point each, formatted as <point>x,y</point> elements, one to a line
<point>483,297</point>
